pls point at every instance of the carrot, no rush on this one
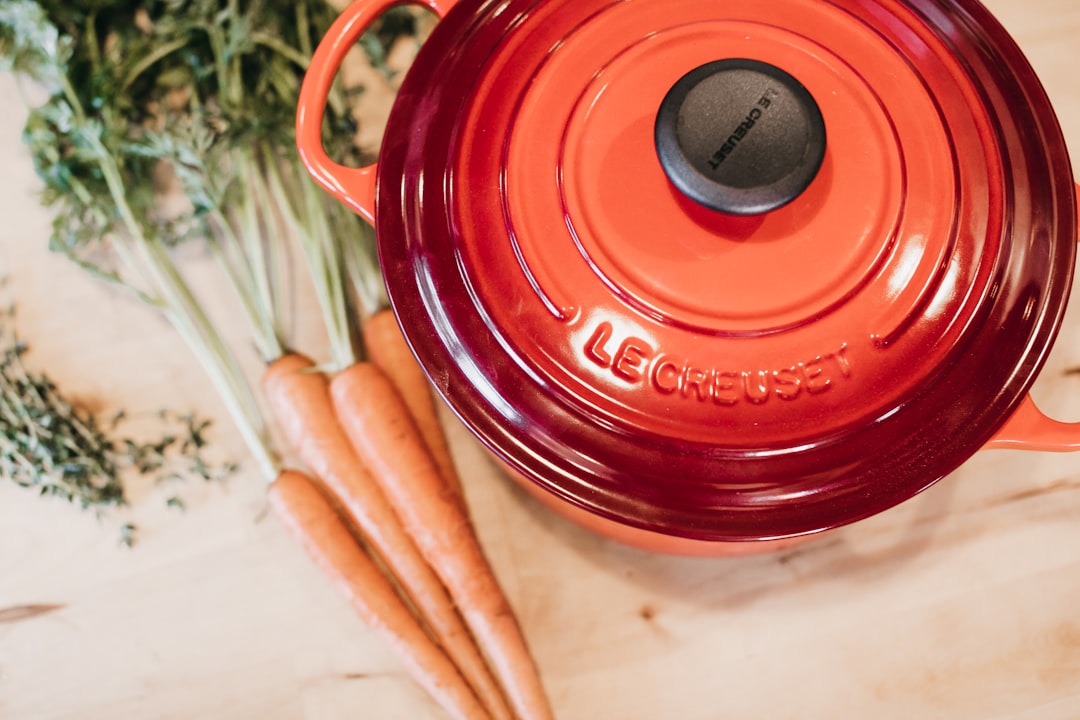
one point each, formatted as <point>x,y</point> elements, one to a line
<point>311,519</point>
<point>386,348</point>
<point>299,396</point>
<point>386,439</point>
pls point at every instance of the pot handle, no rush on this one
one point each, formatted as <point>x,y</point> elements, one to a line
<point>1030,429</point>
<point>355,187</point>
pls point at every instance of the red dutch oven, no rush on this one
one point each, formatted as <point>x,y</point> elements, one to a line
<point>713,276</point>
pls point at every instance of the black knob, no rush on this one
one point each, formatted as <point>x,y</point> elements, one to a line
<point>740,136</point>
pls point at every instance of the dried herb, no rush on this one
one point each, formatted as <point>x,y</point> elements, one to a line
<point>48,443</point>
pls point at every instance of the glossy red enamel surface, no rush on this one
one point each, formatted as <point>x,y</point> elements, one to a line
<point>711,377</point>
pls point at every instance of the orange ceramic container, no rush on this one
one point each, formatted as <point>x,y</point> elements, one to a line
<point>714,276</point>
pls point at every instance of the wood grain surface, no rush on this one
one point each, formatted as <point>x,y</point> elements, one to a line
<point>963,603</point>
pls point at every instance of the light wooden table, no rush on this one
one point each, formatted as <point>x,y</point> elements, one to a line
<point>963,603</point>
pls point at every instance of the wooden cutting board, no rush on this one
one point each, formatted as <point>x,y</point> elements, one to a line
<point>963,603</point>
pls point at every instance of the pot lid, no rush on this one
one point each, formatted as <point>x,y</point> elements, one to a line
<point>728,271</point>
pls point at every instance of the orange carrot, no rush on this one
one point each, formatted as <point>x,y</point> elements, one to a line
<point>312,520</point>
<point>386,439</point>
<point>387,348</point>
<point>299,397</point>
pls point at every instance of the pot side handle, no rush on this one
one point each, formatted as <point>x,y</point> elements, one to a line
<point>1030,429</point>
<point>355,187</point>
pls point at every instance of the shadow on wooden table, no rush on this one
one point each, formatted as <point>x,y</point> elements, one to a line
<point>863,553</point>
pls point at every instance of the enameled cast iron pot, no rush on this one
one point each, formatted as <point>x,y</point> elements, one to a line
<point>711,276</point>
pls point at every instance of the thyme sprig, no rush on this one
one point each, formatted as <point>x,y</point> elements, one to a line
<point>53,445</point>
